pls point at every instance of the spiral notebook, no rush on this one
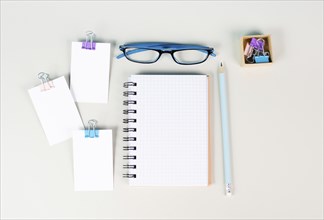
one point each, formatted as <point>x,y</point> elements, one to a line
<point>166,137</point>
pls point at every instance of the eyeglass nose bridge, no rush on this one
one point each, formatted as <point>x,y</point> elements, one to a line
<point>167,51</point>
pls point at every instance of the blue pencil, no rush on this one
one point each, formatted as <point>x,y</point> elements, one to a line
<point>225,130</point>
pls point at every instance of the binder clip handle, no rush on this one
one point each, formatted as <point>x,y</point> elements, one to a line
<point>47,84</point>
<point>92,132</point>
<point>89,44</point>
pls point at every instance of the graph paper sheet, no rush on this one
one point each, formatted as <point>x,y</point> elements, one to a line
<point>172,130</point>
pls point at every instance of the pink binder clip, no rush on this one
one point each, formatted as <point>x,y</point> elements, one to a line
<point>248,50</point>
<point>47,84</point>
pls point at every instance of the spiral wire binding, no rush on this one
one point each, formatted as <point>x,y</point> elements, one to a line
<point>131,149</point>
<point>129,111</point>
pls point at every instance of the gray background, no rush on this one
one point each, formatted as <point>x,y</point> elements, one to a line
<point>276,112</point>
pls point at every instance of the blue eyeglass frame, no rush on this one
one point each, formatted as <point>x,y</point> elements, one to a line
<point>163,47</point>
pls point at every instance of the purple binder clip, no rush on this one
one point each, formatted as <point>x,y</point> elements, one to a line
<point>89,44</point>
<point>257,44</point>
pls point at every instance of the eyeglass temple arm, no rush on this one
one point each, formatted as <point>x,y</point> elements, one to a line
<point>130,52</point>
<point>141,50</point>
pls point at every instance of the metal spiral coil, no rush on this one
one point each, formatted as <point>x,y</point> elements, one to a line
<point>128,175</point>
<point>129,111</point>
<point>128,93</point>
<point>128,129</point>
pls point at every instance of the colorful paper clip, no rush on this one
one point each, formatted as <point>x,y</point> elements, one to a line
<point>89,44</point>
<point>47,84</point>
<point>91,132</point>
<point>254,51</point>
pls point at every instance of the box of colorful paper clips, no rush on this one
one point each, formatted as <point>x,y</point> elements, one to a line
<point>256,50</point>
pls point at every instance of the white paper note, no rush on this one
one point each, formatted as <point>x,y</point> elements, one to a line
<point>56,111</point>
<point>90,73</point>
<point>93,161</point>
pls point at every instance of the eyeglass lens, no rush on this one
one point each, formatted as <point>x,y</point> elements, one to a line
<point>151,56</point>
<point>190,56</point>
<point>142,55</point>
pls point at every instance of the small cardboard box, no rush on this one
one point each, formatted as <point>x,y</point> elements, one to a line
<point>267,48</point>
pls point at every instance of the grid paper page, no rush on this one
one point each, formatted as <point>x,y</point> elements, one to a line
<point>172,130</point>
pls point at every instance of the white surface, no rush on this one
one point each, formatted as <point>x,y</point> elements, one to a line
<point>56,111</point>
<point>275,112</point>
<point>171,130</point>
<point>90,73</point>
<point>93,161</point>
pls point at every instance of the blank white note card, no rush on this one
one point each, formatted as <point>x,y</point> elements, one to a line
<point>56,111</point>
<point>93,161</point>
<point>90,73</point>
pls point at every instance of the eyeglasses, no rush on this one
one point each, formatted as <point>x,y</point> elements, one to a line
<point>184,54</point>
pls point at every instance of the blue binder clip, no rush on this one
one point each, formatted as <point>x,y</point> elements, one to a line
<point>89,44</point>
<point>91,132</point>
<point>261,57</point>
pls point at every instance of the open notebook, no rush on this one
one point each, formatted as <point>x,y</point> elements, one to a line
<point>166,141</point>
